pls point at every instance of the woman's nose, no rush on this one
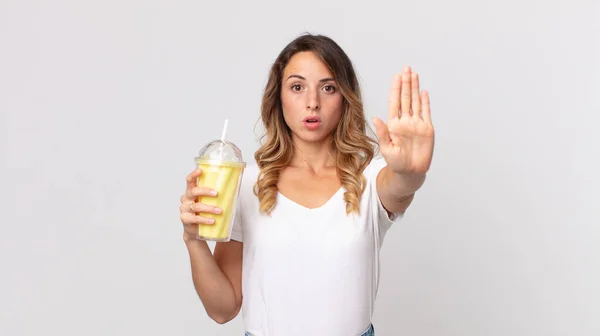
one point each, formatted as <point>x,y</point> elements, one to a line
<point>312,102</point>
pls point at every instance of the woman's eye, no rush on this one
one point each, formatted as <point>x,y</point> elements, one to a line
<point>329,88</point>
<point>296,87</point>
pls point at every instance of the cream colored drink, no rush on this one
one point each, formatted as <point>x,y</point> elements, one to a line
<point>222,168</point>
<point>225,179</point>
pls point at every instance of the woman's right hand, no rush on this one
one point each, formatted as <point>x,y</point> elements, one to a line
<point>190,208</point>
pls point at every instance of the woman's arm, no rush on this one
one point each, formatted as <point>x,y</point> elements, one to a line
<point>397,191</point>
<point>217,279</point>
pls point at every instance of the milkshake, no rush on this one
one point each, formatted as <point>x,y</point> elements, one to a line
<point>222,168</point>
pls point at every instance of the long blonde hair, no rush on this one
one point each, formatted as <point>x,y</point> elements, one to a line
<point>355,149</point>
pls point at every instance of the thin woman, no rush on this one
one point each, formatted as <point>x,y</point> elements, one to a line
<point>314,208</point>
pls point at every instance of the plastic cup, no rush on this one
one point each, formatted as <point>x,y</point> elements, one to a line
<point>222,170</point>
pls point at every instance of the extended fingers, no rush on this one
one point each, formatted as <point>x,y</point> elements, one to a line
<point>405,95</point>
<point>416,95</point>
<point>394,98</point>
<point>426,107</point>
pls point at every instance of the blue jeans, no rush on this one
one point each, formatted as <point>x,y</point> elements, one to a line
<point>369,332</point>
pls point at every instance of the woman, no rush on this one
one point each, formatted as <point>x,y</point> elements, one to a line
<point>314,209</point>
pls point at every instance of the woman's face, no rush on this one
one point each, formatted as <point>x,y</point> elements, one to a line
<point>312,104</point>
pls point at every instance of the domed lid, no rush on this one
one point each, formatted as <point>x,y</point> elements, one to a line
<point>221,152</point>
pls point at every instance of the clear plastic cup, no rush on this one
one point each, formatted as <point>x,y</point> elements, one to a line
<point>222,168</point>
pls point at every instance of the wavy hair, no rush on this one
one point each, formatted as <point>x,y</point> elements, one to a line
<point>355,149</point>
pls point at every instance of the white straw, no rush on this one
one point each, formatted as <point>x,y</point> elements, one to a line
<point>224,130</point>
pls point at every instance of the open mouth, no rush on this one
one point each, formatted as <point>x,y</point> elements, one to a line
<point>312,123</point>
<point>312,120</point>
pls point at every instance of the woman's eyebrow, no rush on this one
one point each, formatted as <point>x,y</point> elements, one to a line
<point>321,80</point>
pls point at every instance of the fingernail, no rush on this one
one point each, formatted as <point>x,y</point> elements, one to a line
<point>213,193</point>
<point>218,211</point>
<point>211,221</point>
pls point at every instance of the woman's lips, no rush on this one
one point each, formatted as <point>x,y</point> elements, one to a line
<point>312,125</point>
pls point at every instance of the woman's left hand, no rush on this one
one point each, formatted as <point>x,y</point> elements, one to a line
<point>406,141</point>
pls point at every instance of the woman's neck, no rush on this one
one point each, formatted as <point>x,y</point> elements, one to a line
<point>314,156</point>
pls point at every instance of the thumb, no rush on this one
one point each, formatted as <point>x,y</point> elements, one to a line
<point>382,131</point>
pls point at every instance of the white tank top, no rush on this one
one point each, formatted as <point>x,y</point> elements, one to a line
<point>310,271</point>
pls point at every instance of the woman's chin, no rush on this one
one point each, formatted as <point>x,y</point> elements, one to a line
<point>312,136</point>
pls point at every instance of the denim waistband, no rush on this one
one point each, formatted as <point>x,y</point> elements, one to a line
<point>369,332</point>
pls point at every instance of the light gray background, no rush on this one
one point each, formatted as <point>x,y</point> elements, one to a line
<point>104,105</point>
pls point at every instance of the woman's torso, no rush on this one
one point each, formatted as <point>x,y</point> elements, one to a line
<point>308,270</point>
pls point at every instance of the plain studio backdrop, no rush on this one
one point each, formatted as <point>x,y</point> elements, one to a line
<point>104,105</point>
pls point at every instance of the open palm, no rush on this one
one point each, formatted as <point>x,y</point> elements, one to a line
<point>407,140</point>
